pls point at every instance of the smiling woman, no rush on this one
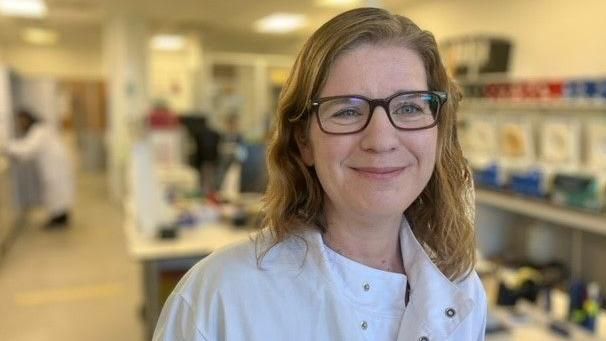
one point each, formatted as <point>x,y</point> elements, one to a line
<point>368,212</point>
<point>369,176</point>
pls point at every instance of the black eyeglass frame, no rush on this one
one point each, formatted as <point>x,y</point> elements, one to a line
<point>373,103</point>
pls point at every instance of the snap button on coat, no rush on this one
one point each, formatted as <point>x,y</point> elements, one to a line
<point>450,312</point>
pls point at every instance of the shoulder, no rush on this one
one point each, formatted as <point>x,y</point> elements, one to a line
<point>472,285</point>
<point>474,289</point>
<point>42,129</point>
<point>192,308</point>
<point>224,266</point>
<point>216,287</point>
<point>255,256</point>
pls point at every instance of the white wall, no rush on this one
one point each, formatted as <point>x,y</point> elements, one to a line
<point>6,107</point>
<point>57,62</point>
<point>41,96</point>
<point>552,38</point>
<point>125,51</point>
<point>170,79</point>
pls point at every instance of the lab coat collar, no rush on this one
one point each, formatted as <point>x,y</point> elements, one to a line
<point>433,297</point>
<point>437,304</point>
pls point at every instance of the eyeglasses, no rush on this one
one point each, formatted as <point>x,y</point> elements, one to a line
<point>409,110</point>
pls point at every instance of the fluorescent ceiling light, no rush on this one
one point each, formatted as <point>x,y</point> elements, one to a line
<point>280,23</point>
<point>40,36</point>
<point>338,3</point>
<point>23,8</point>
<point>168,42</point>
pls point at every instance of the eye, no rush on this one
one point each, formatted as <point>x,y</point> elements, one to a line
<point>407,109</point>
<point>346,113</point>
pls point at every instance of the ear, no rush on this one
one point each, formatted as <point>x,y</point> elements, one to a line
<point>305,148</point>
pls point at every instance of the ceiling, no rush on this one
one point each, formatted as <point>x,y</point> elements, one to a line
<point>224,25</point>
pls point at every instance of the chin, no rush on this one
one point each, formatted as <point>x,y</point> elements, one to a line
<point>383,207</point>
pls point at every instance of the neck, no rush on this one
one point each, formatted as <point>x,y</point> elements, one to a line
<point>373,242</point>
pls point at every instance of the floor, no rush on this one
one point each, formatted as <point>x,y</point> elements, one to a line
<point>72,284</point>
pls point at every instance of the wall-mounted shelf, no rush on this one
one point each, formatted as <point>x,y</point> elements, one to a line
<point>577,106</point>
<point>586,221</point>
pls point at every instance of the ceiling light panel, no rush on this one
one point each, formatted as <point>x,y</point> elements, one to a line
<point>168,42</point>
<point>280,23</point>
<point>338,3</point>
<point>40,36</point>
<point>23,8</point>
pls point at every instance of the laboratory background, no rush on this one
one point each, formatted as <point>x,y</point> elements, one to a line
<point>161,112</point>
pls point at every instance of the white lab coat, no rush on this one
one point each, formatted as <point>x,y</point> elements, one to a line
<point>43,144</point>
<point>227,297</point>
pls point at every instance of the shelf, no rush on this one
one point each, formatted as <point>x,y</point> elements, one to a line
<point>586,221</point>
<point>576,105</point>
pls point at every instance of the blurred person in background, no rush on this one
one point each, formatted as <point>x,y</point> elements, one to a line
<point>205,156</point>
<point>41,143</point>
<point>231,139</point>
<point>231,146</point>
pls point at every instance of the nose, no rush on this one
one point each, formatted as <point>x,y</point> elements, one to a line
<point>380,135</point>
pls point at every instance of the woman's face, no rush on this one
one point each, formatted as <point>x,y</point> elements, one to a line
<point>379,171</point>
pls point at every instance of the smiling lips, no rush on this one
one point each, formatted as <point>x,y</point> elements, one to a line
<point>379,173</point>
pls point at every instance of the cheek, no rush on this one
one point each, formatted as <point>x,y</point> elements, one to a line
<point>329,151</point>
<point>431,152</point>
<point>425,147</point>
<point>326,158</point>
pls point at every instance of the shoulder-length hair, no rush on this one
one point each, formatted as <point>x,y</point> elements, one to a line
<point>442,215</point>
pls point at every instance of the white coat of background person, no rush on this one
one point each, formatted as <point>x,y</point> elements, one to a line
<point>41,143</point>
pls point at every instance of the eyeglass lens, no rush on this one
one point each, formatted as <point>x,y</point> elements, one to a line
<point>407,111</point>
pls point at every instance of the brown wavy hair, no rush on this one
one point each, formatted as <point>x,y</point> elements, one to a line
<point>442,215</point>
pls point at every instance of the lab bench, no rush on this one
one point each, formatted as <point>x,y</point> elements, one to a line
<point>164,261</point>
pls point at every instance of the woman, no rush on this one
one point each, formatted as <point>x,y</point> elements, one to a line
<point>41,143</point>
<point>368,209</point>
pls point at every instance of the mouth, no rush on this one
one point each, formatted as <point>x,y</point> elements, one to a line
<point>380,173</point>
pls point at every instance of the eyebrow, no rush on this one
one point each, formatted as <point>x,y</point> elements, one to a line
<point>360,93</point>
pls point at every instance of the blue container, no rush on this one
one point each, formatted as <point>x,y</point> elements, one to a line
<point>529,184</point>
<point>590,89</point>
<point>602,88</point>
<point>573,89</point>
<point>488,177</point>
